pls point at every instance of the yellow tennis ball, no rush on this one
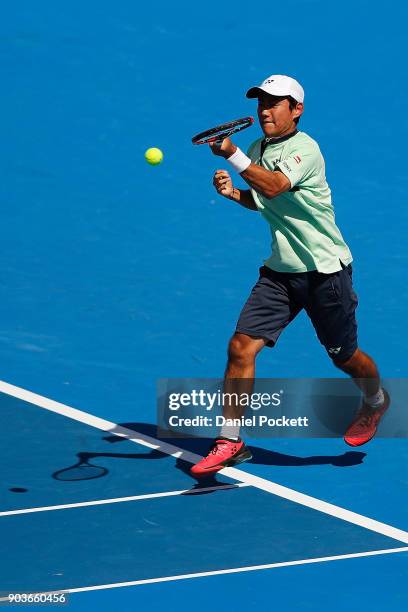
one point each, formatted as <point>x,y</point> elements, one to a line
<point>154,156</point>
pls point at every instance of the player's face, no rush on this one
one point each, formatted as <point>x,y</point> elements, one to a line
<point>275,116</point>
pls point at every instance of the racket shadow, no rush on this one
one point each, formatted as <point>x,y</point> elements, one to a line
<point>85,468</point>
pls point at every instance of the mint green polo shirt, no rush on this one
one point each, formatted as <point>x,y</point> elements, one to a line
<point>305,236</point>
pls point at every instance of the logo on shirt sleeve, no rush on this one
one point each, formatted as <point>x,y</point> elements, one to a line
<point>297,159</point>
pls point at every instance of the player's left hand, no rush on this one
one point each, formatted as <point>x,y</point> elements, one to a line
<point>224,149</point>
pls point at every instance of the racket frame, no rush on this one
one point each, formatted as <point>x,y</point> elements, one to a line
<point>226,129</point>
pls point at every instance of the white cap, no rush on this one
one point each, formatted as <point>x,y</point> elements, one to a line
<point>279,85</point>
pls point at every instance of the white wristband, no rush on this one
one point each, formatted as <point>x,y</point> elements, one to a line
<point>239,161</point>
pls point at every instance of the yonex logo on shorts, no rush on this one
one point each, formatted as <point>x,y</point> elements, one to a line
<point>335,350</point>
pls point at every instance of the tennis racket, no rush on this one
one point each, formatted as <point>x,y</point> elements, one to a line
<point>217,134</point>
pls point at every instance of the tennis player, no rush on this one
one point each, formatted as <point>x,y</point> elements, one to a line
<point>309,267</point>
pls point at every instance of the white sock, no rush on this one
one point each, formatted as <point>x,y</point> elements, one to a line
<point>230,431</point>
<point>375,401</point>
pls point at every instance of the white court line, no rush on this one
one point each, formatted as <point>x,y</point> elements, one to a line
<point>116,500</point>
<point>233,570</point>
<point>236,474</point>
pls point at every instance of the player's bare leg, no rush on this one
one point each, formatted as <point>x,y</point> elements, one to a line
<point>364,372</point>
<point>228,449</point>
<point>240,370</point>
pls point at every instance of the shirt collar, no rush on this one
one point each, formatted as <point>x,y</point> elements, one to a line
<point>272,140</point>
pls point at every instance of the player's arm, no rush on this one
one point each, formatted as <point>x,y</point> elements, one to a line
<point>266,182</point>
<point>243,197</point>
<point>223,184</point>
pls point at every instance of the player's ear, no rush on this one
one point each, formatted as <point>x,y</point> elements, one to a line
<point>298,110</point>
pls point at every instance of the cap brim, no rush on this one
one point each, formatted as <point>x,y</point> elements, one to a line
<point>253,92</point>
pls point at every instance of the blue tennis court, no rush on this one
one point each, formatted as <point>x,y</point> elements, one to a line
<point>116,273</point>
<point>141,521</point>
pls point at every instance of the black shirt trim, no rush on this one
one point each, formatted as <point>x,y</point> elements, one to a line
<point>270,141</point>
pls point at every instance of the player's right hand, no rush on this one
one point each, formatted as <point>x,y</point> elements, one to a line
<point>223,183</point>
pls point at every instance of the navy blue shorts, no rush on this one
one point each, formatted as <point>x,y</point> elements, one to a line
<point>329,300</point>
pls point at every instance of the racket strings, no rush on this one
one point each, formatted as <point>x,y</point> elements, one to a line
<point>223,131</point>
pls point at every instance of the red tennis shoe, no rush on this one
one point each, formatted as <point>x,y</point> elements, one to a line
<point>223,453</point>
<point>364,426</point>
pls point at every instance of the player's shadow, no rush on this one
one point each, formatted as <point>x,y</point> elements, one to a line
<point>88,465</point>
<point>260,455</point>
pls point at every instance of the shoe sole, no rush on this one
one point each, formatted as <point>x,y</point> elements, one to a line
<point>354,445</point>
<point>240,458</point>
